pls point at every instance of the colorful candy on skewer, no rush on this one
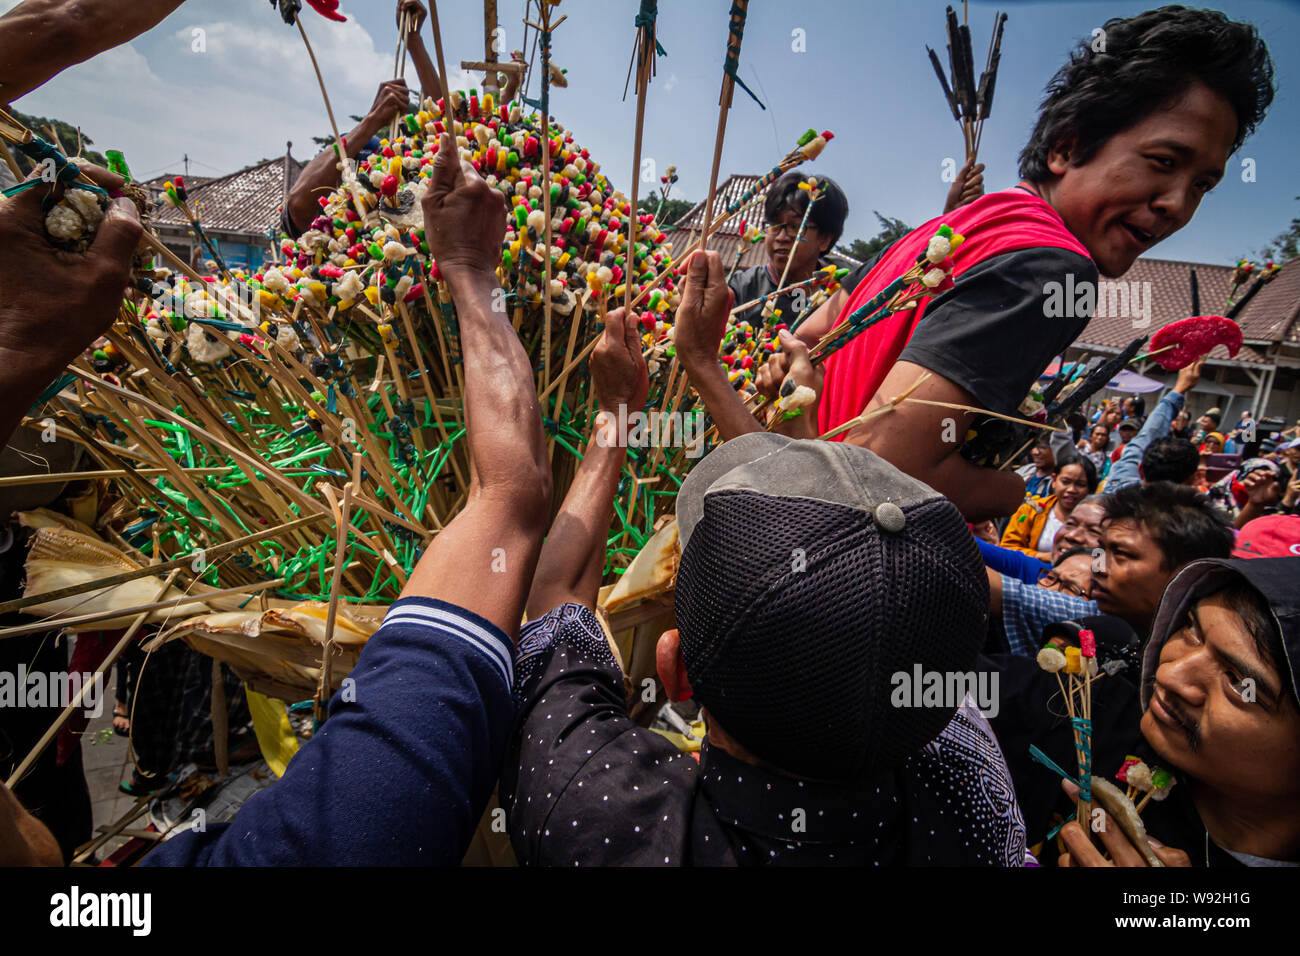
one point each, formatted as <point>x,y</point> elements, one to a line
<point>930,275</point>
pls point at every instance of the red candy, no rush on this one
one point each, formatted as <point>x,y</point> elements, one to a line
<point>1193,338</point>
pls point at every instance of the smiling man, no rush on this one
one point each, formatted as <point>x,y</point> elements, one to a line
<point>1219,689</point>
<point>1130,137</point>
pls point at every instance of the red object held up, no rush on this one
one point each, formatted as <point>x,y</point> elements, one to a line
<point>328,9</point>
<point>1193,338</point>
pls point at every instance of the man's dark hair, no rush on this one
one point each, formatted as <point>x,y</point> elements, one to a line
<point>1181,521</point>
<point>1072,553</point>
<point>1141,65</point>
<point>1089,470</point>
<point>828,213</point>
<point>1139,405</point>
<point>1170,459</point>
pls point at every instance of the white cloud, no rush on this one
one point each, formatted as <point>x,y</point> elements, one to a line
<point>238,102</point>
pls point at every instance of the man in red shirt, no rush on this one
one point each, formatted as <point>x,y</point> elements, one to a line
<point>1127,143</point>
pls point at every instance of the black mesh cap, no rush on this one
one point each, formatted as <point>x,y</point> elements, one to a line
<point>812,573</point>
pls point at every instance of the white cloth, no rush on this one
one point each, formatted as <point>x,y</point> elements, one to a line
<point>1054,524</point>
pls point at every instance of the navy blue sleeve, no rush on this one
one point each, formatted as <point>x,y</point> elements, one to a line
<point>401,772</point>
<point>1014,564</point>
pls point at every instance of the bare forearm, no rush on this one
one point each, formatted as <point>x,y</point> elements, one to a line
<point>430,84</point>
<point>725,406</point>
<point>322,174</point>
<point>41,38</point>
<point>573,555</point>
<point>500,398</point>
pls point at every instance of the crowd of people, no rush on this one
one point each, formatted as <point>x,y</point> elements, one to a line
<point>814,573</point>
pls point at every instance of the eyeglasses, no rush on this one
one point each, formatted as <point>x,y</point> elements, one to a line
<point>1050,579</point>
<point>776,228</point>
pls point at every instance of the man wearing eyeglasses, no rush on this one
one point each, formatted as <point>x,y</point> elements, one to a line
<point>784,210</point>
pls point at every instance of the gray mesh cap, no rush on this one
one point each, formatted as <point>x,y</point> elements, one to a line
<point>811,573</point>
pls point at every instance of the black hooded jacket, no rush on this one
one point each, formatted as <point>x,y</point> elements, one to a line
<point>1278,580</point>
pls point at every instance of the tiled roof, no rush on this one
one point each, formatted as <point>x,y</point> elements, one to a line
<point>1271,312</point>
<point>729,192</point>
<point>245,201</point>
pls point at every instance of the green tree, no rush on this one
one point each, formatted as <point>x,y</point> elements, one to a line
<point>66,139</point>
<point>673,209</point>
<point>1285,246</point>
<point>864,250</point>
<point>326,141</point>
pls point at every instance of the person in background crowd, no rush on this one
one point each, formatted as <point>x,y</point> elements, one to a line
<point>1038,473</point>
<point>1094,449</point>
<point>1127,431</point>
<point>1034,526</point>
<point>1131,466</point>
<point>1212,445</point>
<point>1259,487</point>
<point>1151,531</point>
<point>784,210</point>
<point>1071,573</point>
<point>1181,427</point>
<point>1082,529</point>
<point>1221,708</point>
<point>1135,407</point>
<point>1207,424</point>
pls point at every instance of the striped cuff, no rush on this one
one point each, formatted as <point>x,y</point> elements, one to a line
<point>453,621</point>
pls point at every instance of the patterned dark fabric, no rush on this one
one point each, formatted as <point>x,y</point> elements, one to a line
<point>583,785</point>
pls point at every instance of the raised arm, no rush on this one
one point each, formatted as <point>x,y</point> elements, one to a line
<point>39,39</point>
<point>430,83</point>
<point>1127,470</point>
<point>701,323</point>
<point>574,554</point>
<point>321,175</point>
<point>484,560</point>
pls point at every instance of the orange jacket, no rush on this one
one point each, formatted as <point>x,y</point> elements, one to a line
<point>1027,524</point>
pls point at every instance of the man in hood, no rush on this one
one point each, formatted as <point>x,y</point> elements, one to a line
<point>1221,710</point>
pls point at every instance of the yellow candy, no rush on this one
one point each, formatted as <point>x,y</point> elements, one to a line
<point>267,300</point>
<point>1073,661</point>
<point>372,295</point>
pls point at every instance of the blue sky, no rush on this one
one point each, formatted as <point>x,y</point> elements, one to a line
<point>864,75</point>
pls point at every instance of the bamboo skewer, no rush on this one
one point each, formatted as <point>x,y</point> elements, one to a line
<point>54,623</point>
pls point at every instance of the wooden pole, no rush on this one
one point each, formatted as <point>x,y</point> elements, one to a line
<point>645,54</point>
<point>740,9</point>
